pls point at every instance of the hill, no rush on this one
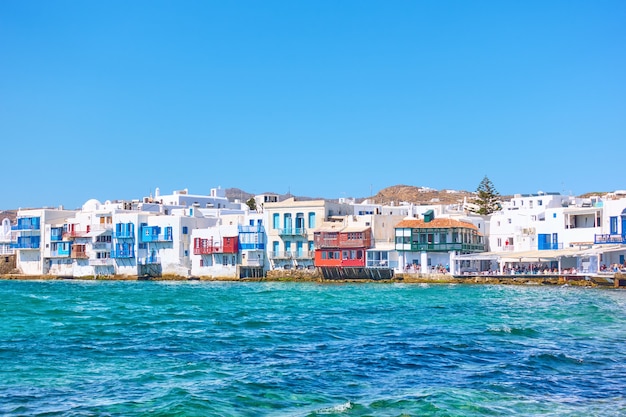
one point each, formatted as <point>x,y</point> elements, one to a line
<point>394,194</point>
<point>419,195</point>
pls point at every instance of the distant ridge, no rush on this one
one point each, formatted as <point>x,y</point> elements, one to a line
<point>395,194</point>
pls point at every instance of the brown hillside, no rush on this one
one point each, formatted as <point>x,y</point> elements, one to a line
<point>419,195</point>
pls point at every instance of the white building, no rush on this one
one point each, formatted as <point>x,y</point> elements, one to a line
<point>290,226</point>
<point>6,237</point>
<point>37,249</point>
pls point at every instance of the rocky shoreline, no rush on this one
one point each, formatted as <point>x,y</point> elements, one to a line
<point>283,276</point>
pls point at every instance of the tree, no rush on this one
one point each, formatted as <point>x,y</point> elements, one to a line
<point>487,199</point>
<point>251,203</point>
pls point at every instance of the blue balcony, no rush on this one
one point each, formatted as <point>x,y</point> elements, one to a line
<point>252,229</point>
<point>124,231</point>
<point>123,253</point>
<point>292,231</point>
<point>153,234</point>
<point>28,242</point>
<point>251,246</point>
<point>27,223</point>
<point>56,234</point>
<point>609,239</point>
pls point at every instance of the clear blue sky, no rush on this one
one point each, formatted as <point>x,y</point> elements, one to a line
<point>111,99</point>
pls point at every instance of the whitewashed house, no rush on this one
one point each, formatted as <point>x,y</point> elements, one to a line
<point>6,237</point>
<point>514,228</point>
<point>37,249</point>
<point>290,226</point>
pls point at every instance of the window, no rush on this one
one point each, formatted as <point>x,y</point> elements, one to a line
<point>613,224</point>
<point>311,220</point>
<point>287,224</point>
<point>185,230</point>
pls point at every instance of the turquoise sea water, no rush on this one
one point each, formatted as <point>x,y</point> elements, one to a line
<point>80,348</point>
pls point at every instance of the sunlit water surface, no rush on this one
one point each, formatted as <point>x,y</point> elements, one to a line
<point>81,348</point>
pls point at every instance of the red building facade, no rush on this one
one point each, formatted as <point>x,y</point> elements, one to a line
<point>344,246</point>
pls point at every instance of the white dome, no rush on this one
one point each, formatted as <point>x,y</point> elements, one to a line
<point>91,205</point>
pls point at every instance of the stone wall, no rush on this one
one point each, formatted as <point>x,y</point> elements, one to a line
<point>7,264</point>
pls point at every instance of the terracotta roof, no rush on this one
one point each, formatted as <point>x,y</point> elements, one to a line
<point>434,223</point>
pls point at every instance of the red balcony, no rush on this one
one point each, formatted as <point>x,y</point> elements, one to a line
<point>74,233</point>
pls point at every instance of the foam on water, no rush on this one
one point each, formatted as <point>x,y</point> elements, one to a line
<point>288,349</point>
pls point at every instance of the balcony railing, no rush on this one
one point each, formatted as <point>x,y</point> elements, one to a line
<point>70,234</point>
<point>101,246</point>
<point>102,262</point>
<point>79,255</point>
<point>355,243</point>
<point>161,237</point>
<point>292,231</point>
<point>281,255</point>
<point>26,226</point>
<point>122,253</point>
<point>252,246</point>
<point>150,260</point>
<point>327,243</point>
<point>604,239</point>
<point>251,229</point>
<point>446,247</point>
<point>207,249</point>
<point>6,250</point>
<point>25,245</point>
<point>303,254</point>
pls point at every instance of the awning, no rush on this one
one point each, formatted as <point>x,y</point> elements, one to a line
<point>540,255</point>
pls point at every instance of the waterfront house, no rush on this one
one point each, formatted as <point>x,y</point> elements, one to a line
<point>35,252</point>
<point>551,232</point>
<point>234,247</point>
<point>338,244</point>
<point>426,244</point>
<point>290,226</point>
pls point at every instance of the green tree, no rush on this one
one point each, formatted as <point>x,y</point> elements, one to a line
<point>251,203</point>
<point>487,199</point>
